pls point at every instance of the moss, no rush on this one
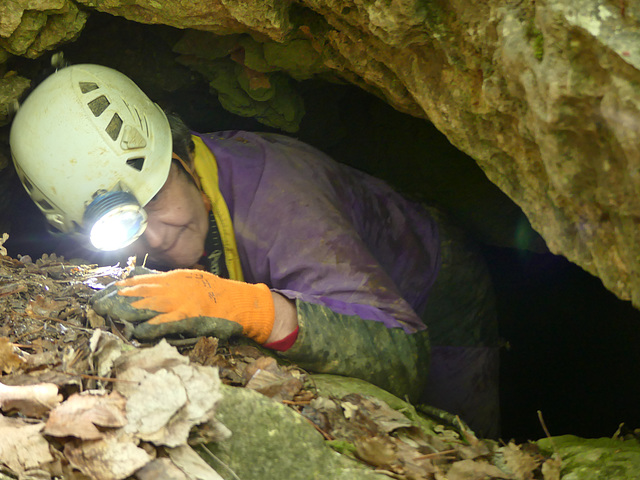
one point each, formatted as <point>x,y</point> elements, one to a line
<point>435,17</point>
<point>538,46</point>
<point>269,440</point>
<point>342,446</point>
<point>534,35</point>
<point>595,458</point>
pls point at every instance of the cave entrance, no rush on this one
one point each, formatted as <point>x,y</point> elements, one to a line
<point>570,344</point>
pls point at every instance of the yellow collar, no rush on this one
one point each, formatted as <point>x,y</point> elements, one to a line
<point>207,169</point>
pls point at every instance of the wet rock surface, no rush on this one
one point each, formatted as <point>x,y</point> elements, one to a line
<point>541,94</point>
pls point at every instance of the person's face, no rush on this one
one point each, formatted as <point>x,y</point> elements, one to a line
<point>178,223</point>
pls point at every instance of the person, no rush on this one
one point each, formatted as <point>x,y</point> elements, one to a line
<point>264,236</point>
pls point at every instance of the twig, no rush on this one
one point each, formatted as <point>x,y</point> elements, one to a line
<point>436,454</point>
<point>209,452</point>
<point>322,432</point>
<point>116,331</point>
<point>546,431</point>
<point>293,402</point>
<point>446,417</point>
<point>53,319</point>
<point>86,376</point>
<point>26,334</point>
<point>12,288</point>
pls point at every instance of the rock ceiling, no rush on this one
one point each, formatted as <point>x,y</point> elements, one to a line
<point>544,95</point>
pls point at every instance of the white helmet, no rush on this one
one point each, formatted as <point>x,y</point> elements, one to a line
<point>89,145</point>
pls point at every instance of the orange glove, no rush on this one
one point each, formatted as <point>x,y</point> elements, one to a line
<point>181,294</point>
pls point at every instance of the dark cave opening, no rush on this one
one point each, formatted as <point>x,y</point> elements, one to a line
<point>571,344</point>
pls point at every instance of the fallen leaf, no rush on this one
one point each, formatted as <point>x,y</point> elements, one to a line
<point>45,306</point>
<point>268,364</point>
<point>95,320</point>
<point>189,461</point>
<point>81,414</point>
<point>551,469</point>
<point>274,386</point>
<point>474,470</point>
<point>163,404</point>
<point>153,359</point>
<point>30,400</point>
<point>22,446</point>
<point>377,451</point>
<point>160,469</point>
<point>9,360</point>
<point>110,458</point>
<point>105,348</point>
<point>382,415</point>
<point>520,463</point>
<point>204,351</point>
<point>4,238</point>
<point>153,399</point>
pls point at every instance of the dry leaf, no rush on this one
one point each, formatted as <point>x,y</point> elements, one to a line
<point>551,469</point>
<point>153,359</point>
<point>30,400</point>
<point>474,470</point>
<point>9,360</point>
<point>153,399</point>
<point>189,461</point>
<point>386,418</point>
<point>45,306</point>
<point>160,469</point>
<point>111,458</point>
<point>520,463</point>
<point>4,238</point>
<point>22,447</point>
<point>274,386</point>
<point>95,320</point>
<point>163,404</point>
<point>80,415</point>
<point>204,352</point>
<point>378,451</point>
<point>106,348</point>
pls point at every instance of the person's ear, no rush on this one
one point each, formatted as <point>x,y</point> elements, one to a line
<point>207,202</point>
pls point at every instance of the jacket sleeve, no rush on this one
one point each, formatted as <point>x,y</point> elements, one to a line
<point>390,358</point>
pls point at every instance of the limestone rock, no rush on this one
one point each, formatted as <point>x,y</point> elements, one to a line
<point>543,95</point>
<point>12,87</point>
<point>594,458</point>
<point>269,440</point>
<point>29,28</point>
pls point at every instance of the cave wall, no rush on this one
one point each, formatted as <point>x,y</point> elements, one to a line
<point>543,95</point>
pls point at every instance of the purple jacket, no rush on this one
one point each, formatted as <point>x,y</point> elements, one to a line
<point>321,232</point>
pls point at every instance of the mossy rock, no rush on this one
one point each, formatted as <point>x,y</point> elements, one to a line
<point>595,458</point>
<point>270,440</point>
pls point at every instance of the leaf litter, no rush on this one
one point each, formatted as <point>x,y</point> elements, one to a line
<point>81,399</point>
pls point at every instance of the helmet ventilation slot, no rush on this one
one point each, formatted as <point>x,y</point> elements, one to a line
<point>86,87</point>
<point>27,184</point>
<point>114,127</point>
<point>44,205</point>
<point>136,163</point>
<point>98,105</point>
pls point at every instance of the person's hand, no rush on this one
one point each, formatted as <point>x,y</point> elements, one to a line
<point>190,302</point>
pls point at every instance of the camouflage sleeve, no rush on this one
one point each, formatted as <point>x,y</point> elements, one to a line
<point>390,358</point>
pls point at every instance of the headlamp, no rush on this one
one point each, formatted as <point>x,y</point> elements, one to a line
<point>114,220</point>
